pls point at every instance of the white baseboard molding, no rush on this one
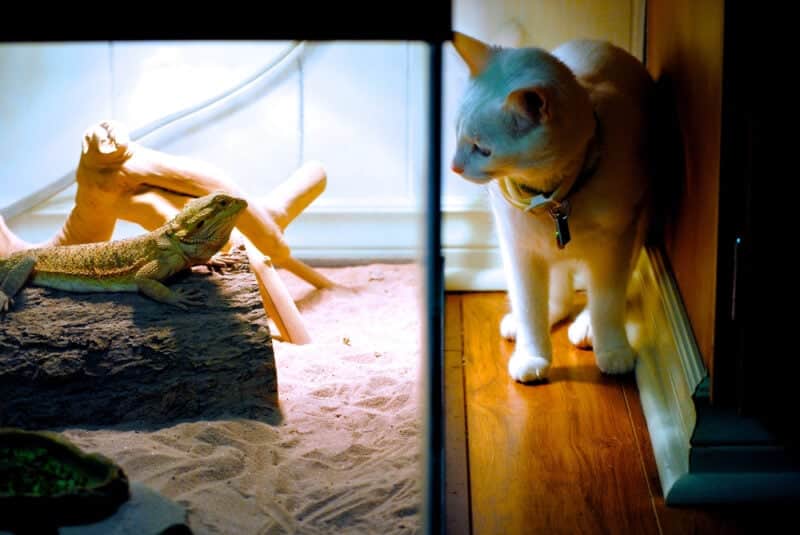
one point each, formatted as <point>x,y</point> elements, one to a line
<point>474,280</point>
<point>669,367</point>
<point>479,270</point>
<point>697,460</point>
<point>465,270</point>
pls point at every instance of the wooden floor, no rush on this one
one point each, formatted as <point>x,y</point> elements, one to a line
<point>568,456</point>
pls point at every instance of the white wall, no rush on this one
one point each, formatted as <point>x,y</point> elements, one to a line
<point>48,94</point>
<point>351,106</point>
<point>359,108</point>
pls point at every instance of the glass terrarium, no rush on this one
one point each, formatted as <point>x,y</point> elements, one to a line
<point>224,244</point>
<point>220,262</point>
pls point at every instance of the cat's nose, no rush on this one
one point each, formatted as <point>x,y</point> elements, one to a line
<point>457,169</point>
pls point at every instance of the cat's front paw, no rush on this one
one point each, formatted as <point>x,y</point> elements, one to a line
<point>616,361</point>
<point>527,368</point>
<point>508,327</point>
<point>580,332</point>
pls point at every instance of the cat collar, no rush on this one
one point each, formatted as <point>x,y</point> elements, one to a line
<point>555,202</point>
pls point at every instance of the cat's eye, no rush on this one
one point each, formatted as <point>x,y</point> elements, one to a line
<point>483,151</point>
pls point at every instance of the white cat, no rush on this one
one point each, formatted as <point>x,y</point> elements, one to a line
<point>560,139</point>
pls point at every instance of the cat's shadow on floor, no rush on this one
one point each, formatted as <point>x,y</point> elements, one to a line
<point>584,373</point>
<point>577,365</point>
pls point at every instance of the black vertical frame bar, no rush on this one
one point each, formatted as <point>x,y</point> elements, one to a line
<point>434,515</point>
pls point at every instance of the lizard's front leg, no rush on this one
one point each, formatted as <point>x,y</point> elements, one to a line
<point>14,279</point>
<point>179,298</point>
<point>147,281</point>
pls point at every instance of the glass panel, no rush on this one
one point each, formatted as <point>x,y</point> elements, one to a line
<point>309,421</point>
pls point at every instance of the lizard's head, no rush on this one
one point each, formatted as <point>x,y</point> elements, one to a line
<point>205,224</point>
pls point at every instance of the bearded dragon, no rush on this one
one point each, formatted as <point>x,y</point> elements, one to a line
<point>139,264</point>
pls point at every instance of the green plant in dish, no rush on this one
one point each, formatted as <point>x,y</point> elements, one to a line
<point>45,479</point>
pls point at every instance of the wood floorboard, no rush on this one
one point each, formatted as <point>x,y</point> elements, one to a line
<point>559,457</point>
<point>457,467</point>
<point>569,456</point>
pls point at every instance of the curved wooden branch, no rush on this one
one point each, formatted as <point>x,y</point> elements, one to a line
<point>10,242</point>
<point>119,179</point>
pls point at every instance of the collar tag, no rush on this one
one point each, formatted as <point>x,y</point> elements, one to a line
<point>556,202</point>
<point>560,214</point>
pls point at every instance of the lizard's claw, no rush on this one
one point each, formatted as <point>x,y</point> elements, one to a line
<point>189,297</point>
<point>220,261</point>
<point>5,302</point>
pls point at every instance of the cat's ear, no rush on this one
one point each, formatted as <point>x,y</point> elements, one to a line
<point>476,54</point>
<point>530,103</point>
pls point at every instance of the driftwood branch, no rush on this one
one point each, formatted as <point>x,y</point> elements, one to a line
<point>119,179</point>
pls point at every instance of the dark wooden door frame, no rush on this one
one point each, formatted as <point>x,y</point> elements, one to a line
<point>744,443</point>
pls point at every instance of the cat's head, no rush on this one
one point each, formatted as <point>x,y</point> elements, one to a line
<point>524,115</point>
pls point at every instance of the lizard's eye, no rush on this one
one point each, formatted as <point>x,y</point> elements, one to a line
<point>223,203</point>
<point>201,223</point>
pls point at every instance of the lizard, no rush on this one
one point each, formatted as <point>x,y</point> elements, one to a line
<point>138,264</point>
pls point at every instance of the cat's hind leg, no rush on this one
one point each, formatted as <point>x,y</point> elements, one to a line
<point>562,293</point>
<point>608,270</point>
<point>559,302</point>
<point>508,327</point>
<point>580,331</point>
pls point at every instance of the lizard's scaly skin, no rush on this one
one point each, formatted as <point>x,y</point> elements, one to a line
<point>134,264</point>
